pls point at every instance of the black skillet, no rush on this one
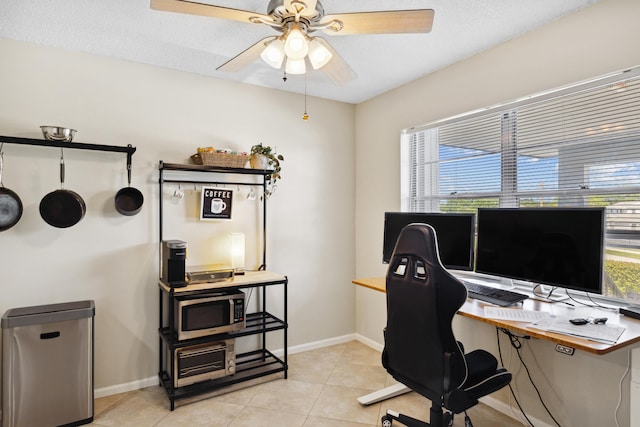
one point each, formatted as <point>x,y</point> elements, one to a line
<point>129,200</point>
<point>10,204</point>
<point>62,208</point>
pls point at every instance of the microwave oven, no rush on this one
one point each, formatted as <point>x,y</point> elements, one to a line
<point>209,313</point>
<point>202,362</point>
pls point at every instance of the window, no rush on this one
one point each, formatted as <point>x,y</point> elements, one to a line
<point>575,146</point>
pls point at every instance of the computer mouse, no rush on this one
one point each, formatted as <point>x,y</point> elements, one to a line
<point>579,321</point>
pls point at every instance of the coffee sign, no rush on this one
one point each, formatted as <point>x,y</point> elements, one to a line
<point>215,203</point>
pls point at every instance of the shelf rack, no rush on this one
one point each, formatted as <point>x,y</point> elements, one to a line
<point>250,365</point>
<point>253,364</point>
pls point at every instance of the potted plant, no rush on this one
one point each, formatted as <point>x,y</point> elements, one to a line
<point>265,157</point>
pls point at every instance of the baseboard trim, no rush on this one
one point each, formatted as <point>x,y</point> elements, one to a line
<point>318,344</point>
<point>153,381</point>
<point>123,388</point>
<point>369,342</point>
<point>510,411</point>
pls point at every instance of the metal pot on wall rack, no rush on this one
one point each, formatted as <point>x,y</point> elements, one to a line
<point>129,200</point>
<point>62,208</point>
<point>10,203</point>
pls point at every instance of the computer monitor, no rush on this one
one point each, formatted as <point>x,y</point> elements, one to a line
<point>455,233</point>
<point>561,247</point>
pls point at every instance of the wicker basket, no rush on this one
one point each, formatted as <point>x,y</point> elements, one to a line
<point>224,160</point>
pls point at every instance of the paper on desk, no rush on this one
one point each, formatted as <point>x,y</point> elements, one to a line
<point>607,334</point>
<point>514,314</point>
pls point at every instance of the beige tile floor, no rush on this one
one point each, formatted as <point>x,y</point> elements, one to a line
<point>321,391</point>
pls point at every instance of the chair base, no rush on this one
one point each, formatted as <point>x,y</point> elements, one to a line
<point>437,419</point>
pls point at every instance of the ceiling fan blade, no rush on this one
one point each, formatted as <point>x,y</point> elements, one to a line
<point>246,57</point>
<point>382,22</point>
<point>336,69</point>
<point>193,8</point>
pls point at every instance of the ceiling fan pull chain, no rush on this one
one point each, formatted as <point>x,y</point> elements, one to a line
<point>305,116</point>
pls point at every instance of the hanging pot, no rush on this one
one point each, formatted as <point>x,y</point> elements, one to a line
<point>129,200</point>
<point>62,208</point>
<point>10,204</point>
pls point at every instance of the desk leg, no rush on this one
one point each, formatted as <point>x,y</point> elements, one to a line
<point>384,394</point>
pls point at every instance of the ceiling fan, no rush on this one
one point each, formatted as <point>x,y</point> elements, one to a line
<point>296,20</point>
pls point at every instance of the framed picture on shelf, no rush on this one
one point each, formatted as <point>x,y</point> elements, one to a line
<point>215,203</point>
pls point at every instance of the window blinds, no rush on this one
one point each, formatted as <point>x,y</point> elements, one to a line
<point>578,146</point>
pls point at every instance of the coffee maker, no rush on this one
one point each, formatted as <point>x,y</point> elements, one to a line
<point>174,254</point>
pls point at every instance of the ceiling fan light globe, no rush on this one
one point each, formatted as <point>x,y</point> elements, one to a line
<point>319,55</point>
<point>296,46</point>
<point>295,66</point>
<point>273,54</point>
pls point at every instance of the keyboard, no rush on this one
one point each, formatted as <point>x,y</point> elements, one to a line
<point>493,295</point>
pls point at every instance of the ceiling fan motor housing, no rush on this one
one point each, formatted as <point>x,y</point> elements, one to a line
<point>277,8</point>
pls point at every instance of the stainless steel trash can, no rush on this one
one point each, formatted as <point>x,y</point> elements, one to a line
<point>47,365</point>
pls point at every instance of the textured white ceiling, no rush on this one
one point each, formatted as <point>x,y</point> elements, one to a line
<point>130,30</point>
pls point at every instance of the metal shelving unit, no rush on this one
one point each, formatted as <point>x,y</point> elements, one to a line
<point>254,364</point>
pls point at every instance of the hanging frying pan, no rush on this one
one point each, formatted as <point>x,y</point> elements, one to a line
<point>129,200</point>
<point>10,203</point>
<point>62,208</point>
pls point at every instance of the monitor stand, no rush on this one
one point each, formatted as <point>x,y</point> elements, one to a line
<point>545,293</point>
<point>482,280</point>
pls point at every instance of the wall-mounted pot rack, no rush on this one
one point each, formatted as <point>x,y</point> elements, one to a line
<point>129,149</point>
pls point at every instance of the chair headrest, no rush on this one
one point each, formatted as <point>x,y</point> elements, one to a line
<point>419,240</point>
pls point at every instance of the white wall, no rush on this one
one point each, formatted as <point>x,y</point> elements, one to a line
<point>595,41</point>
<point>113,259</point>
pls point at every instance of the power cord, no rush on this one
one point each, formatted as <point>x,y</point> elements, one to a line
<point>593,304</point>
<point>578,301</point>
<point>615,414</point>
<point>246,306</point>
<point>539,292</point>
<point>600,305</point>
<point>517,345</point>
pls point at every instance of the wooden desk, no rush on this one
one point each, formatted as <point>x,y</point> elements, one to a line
<point>474,309</point>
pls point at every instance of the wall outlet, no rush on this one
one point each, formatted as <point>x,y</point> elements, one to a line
<point>565,349</point>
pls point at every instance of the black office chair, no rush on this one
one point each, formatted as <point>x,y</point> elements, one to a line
<point>420,349</point>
